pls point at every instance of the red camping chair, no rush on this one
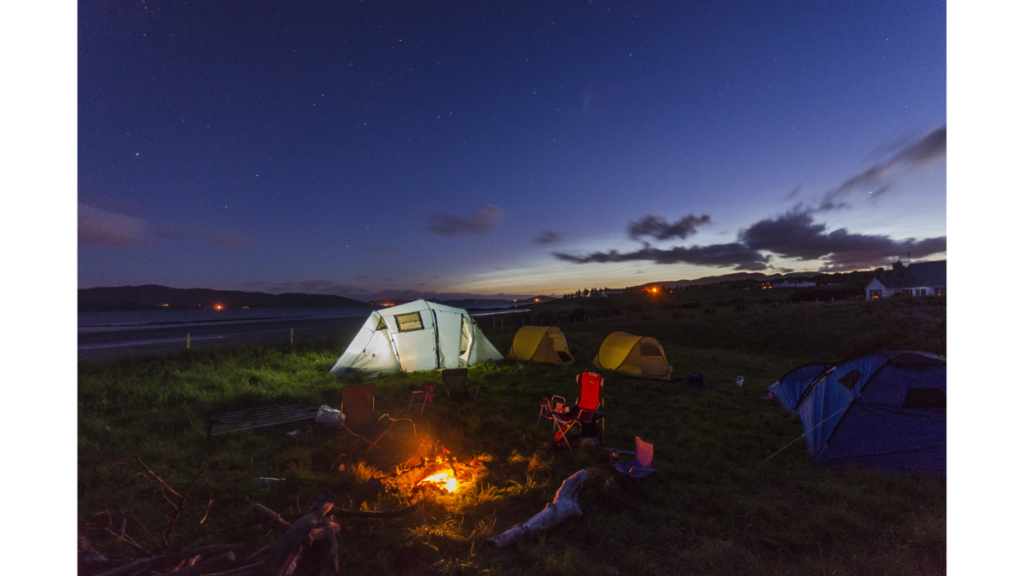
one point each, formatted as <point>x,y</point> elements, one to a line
<point>588,408</point>
<point>357,403</point>
<point>424,397</point>
<point>639,467</point>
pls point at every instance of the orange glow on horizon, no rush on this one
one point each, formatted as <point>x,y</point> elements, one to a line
<point>218,306</point>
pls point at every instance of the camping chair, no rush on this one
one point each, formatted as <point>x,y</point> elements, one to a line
<point>357,403</point>
<point>588,408</point>
<point>454,380</point>
<point>548,407</point>
<point>639,467</point>
<point>424,397</point>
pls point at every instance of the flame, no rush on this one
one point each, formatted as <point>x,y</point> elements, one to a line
<point>444,480</point>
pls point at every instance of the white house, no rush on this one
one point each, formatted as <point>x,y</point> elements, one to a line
<point>918,279</point>
<point>793,284</point>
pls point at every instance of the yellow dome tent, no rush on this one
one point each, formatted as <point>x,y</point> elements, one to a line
<point>541,344</point>
<point>640,356</point>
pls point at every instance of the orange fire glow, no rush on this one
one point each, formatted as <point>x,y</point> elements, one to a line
<point>219,307</point>
<point>444,479</point>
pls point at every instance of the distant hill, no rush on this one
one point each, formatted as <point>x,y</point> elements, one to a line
<point>539,298</point>
<point>473,302</point>
<point>153,297</point>
<point>735,277</point>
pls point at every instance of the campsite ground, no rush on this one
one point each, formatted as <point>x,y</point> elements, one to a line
<point>717,504</point>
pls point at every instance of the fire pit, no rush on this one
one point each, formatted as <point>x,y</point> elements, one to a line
<point>442,473</point>
<point>444,480</point>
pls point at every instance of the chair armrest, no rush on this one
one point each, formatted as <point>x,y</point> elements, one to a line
<point>615,453</point>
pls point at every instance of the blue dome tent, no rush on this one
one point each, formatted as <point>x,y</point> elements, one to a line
<point>885,411</point>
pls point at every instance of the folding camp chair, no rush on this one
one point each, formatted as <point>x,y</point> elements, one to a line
<point>456,390</point>
<point>424,397</point>
<point>589,408</point>
<point>357,403</point>
<point>548,407</point>
<point>639,467</point>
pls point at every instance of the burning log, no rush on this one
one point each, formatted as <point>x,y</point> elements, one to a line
<point>563,507</point>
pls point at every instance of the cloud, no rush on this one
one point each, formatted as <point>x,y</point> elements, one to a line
<point>658,227</point>
<point>879,178</point>
<point>100,228</point>
<point>795,235</point>
<point>479,222</point>
<point>739,256</point>
<point>547,237</point>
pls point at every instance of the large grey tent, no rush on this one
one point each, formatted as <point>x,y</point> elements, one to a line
<point>416,336</point>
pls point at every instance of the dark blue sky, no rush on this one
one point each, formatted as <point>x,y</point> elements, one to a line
<point>365,149</point>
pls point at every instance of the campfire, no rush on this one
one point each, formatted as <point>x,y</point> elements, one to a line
<point>445,480</point>
<point>442,473</point>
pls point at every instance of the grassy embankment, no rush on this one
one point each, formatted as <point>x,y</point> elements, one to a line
<point>715,506</point>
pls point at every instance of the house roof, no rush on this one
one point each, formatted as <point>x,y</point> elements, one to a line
<point>918,275</point>
<point>931,274</point>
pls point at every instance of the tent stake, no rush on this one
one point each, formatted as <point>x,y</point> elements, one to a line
<point>291,339</point>
<point>188,342</point>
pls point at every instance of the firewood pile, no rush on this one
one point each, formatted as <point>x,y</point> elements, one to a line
<point>315,535</point>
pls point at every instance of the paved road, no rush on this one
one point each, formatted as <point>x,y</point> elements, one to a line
<point>107,346</point>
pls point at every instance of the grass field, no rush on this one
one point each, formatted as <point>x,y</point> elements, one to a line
<point>715,505</point>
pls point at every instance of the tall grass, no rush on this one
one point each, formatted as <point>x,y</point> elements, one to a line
<point>715,506</point>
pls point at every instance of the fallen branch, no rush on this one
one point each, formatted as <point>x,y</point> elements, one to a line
<point>169,558</point>
<point>169,535</point>
<point>286,552</point>
<point>563,507</point>
<point>207,566</point>
<point>261,513</point>
<point>330,532</point>
<point>389,514</point>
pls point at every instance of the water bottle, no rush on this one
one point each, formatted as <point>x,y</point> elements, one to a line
<point>739,381</point>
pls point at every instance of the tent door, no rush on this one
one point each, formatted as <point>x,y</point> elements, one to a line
<point>465,342</point>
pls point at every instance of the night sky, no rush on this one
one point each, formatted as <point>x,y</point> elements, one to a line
<point>516,148</point>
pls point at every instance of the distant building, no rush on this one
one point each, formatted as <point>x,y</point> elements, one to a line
<point>918,279</point>
<point>793,284</point>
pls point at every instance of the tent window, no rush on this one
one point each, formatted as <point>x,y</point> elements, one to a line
<point>409,322</point>
<point>381,325</point>
<point>925,398</point>
<point>649,349</point>
<point>850,380</point>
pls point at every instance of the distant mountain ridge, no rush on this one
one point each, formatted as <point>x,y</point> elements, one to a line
<point>735,277</point>
<point>154,297</point>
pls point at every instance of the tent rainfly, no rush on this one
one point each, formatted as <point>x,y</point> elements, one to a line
<point>540,344</point>
<point>640,356</point>
<point>416,336</point>
<point>885,411</point>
